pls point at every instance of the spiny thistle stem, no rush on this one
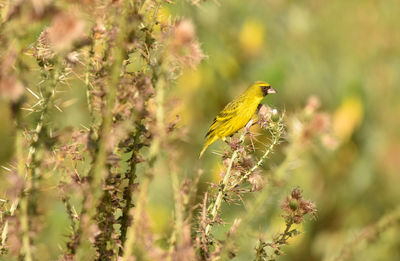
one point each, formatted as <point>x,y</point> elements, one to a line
<point>28,200</point>
<point>48,95</point>
<point>26,244</point>
<point>276,131</point>
<point>96,175</point>
<point>119,53</point>
<point>131,176</point>
<point>223,187</point>
<point>23,220</point>
<point>89,67</point>
<point>132,230</point>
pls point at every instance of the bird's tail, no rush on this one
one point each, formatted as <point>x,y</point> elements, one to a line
<point>210,140</point>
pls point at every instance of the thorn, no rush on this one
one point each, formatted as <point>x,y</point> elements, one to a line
<point>83,126</point>
<point>42,81</point>
<point>4,167</point>
<point>217,153</point>
<point>36,104</point>
<point>69,102</point>
<point>28,109</point>
<point>34,94</point>
<point>58,108</point>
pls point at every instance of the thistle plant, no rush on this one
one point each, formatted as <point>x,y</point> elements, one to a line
<point>241,169</point>
<point>295,209</point>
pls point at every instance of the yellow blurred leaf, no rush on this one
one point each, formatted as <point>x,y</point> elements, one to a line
<point>348,117</point>
<point>251,37</point>
<point>163,15</point>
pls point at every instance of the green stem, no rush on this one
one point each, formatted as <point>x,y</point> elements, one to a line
<point>26,244</point>
<point>29,196</point>
<point>89,67</point>
<point>132,230</point>
<point>178,208</point>
<point>96,173</point>
<point>131,176</point>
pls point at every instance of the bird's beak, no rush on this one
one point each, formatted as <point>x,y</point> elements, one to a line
<point>271,90</point>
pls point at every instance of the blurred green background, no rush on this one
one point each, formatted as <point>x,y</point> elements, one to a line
<point>347,53</point>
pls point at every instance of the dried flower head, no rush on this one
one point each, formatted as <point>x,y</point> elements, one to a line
<point>184,33</point>
<point>321,122</point>
<point>72,58</point>
<point>313,105</point>
<point>42,50</point>
<point>266,115</point>
<point>256,181</point>
<point>317,125</point>
<point>65,28</point>
<point>295,207</point>
<point>10,87</point>
<point>296,193</point>
<point>184,46</point>
<point>99,30</point>
<point>329,141</point>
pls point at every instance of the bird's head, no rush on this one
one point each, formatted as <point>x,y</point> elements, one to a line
<point>262,88</point>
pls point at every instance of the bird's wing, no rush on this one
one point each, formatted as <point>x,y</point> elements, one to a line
<point>229,111</point>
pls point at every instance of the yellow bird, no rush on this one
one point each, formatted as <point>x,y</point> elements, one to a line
<point>237,113</point>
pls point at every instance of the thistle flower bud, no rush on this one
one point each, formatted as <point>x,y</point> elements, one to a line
<point>274,115</point>
<point>293,204</point>
<point>295,207</point>
<point>257,181</point>
<point>296,193</point>
<point>99,30</point>
<point>42,50</point>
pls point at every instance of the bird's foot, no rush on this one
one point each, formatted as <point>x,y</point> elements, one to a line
<point>248,125</point>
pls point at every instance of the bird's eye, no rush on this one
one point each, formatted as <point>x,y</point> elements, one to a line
<point>264,89</point>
